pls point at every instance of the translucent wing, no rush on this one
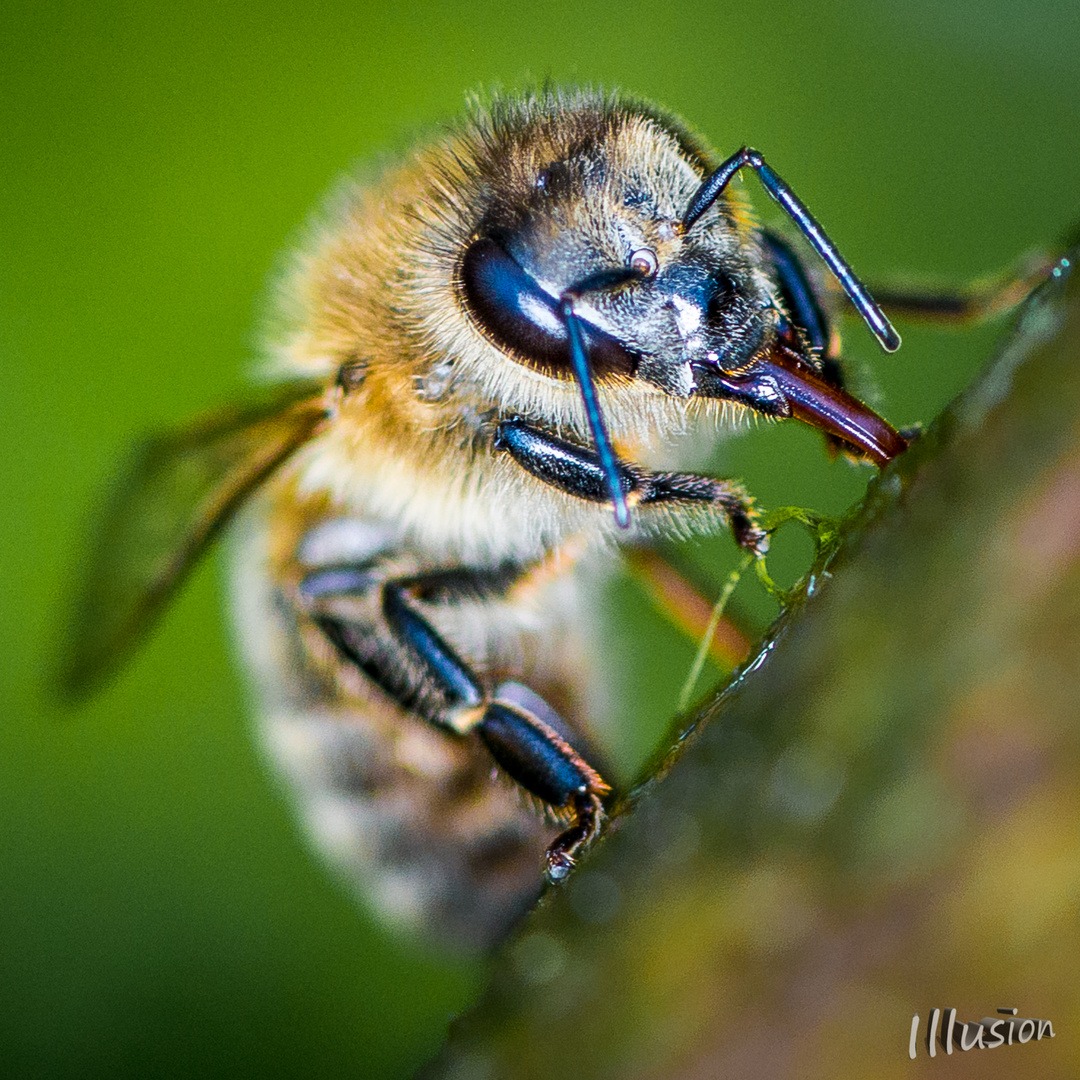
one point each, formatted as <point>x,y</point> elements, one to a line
<point>179,491</point>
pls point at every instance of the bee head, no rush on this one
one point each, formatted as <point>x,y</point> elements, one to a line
<point>687,309</point>
<point>601,222</point>
<point>609,252</point>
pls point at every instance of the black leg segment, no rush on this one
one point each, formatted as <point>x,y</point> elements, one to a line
<point>535,755</point>
<point>797,293</point>
<point>579,472</point>
<point>559,463</point>
<point>802,304</point>
<point>445,667</point>
<point>388,637</point>
<point>981,301</point>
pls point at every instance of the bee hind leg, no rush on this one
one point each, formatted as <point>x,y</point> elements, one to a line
<point>526,737</point>
<point>528,741</point>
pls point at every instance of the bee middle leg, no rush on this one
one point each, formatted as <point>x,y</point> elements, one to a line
<point>411,661</point>
<point>980,301</point>
<point>685,605</point>
<point>577,471</point>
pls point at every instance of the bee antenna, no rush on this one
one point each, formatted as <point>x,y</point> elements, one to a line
<point>715,183</point>
<point>579,359</point>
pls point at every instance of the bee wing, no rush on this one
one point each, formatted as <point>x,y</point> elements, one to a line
<point>181,489</point>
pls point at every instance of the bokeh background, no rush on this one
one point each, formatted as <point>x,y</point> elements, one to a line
<point>159,914</point>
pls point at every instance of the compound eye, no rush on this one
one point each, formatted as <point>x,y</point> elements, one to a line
<point>644,262</point>
<point>512,310</point>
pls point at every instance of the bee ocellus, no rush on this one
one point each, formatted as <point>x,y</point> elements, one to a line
<point>480,353</point>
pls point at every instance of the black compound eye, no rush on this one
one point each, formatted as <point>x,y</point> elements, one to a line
<point>517,315</point>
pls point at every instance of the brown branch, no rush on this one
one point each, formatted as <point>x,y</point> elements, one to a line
<point>878,817</point>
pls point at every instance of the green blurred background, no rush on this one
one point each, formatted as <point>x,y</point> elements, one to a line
<point>159,915</point>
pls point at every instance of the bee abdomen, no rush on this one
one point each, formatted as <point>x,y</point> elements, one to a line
<point>408,814</point>
<point>411,820</point>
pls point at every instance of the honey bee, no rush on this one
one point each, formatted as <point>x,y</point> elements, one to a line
<point>478,355</point>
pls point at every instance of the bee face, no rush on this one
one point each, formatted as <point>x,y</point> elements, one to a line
<point>479,342</point>
<point>612,199</point>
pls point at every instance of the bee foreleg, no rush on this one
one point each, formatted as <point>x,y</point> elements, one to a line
<point>577,471</point>
<point>688,489</point>
<point>806,312</point>
<point>564,465</point>
<point>798,294</point>
<point>972,304</point>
